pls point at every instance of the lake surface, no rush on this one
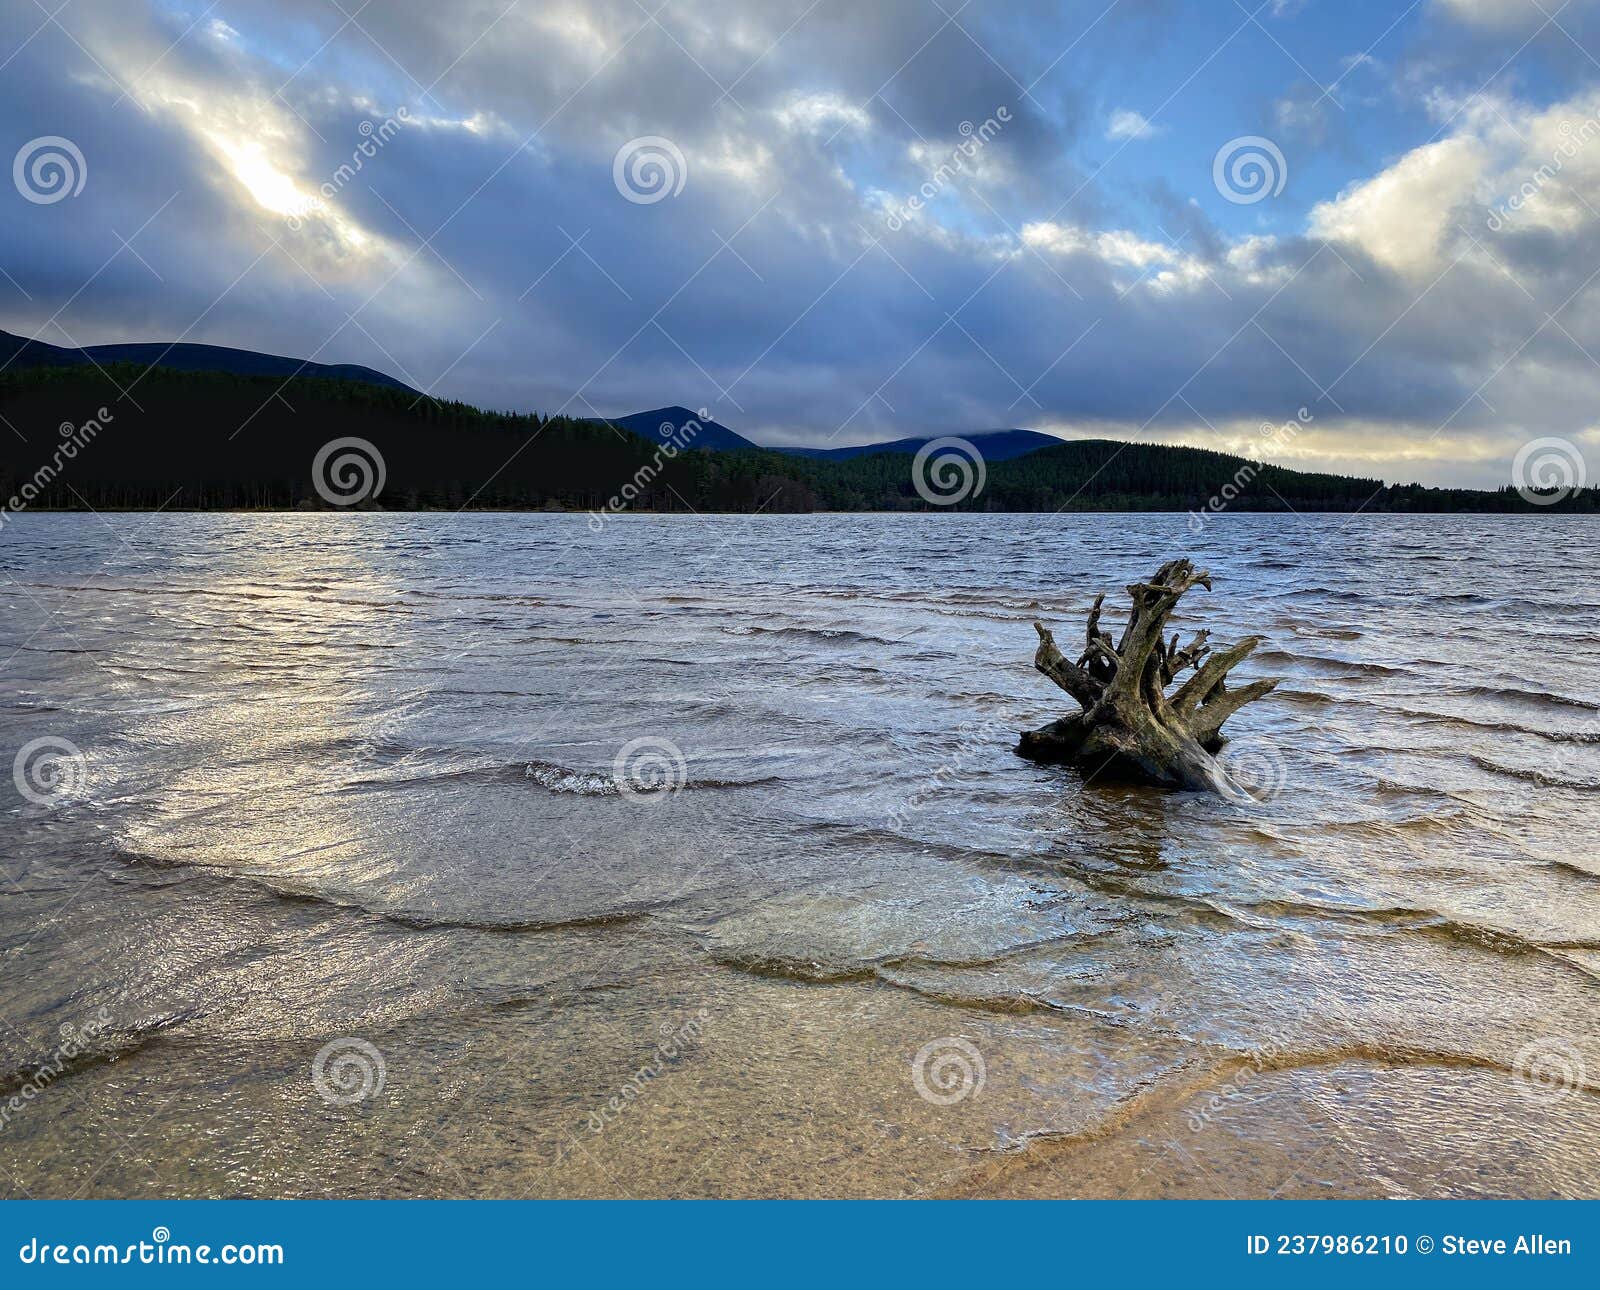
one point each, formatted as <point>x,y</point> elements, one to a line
<point>339,885</point>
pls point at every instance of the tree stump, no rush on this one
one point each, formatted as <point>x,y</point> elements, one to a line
<point>1128,721</point>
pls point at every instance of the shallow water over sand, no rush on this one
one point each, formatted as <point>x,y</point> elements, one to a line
<point>352,777</point>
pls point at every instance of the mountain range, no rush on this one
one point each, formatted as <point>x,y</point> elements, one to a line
<point>657,425</point>
<point>663,424</point>
<point>20,352</point>
<point>213,428</point>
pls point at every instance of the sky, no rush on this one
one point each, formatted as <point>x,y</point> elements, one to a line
<point>831,222</point>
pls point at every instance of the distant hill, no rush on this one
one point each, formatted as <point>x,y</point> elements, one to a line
<point>663,424</point>
<point>219,440</point>
<point>995,445</point>
<point>19,352</point>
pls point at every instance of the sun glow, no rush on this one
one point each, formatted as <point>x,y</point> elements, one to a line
<point>271,188</point>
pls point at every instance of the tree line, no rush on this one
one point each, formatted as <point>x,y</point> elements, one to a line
<point>215,440</point>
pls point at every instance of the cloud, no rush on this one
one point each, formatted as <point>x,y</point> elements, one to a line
<point>1127,124</point>
<point>816,114</point>
<point>1403,217</point>
<point>1495,15</point>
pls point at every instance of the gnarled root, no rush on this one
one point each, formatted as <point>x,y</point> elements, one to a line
<point>1128,720</point>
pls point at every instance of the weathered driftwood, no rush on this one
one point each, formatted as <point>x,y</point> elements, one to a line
<point>1128,719</point>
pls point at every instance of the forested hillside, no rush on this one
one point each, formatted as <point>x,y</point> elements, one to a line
<point>219,440</point>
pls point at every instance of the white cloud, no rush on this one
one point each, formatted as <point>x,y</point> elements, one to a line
<point>1128,124</point>
<point>1506,164</point>
<point>1164,267</point>
<point>1402,216</point>
<point>1495,14</point>
<point>821,114</point>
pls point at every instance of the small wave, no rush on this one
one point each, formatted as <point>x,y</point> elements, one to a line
<point>809,971</point>
<point>563,779</point>
<point>1517,694</point>
<point>1528,774</point>
<point>618,917</point>
<point>1508,727</point>
<point>1322,663</point>
<point>550,776</point>
<point>107,1045</point>
<point>559,779</point>
<point>1429,922</point>
<point>1308,698</point>
<point>833,635</point>
<point>1568,865</point>
<point>298,893</point>
<point>1174,1088</point>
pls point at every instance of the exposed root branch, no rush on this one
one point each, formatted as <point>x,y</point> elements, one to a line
<point>1127,717</point>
